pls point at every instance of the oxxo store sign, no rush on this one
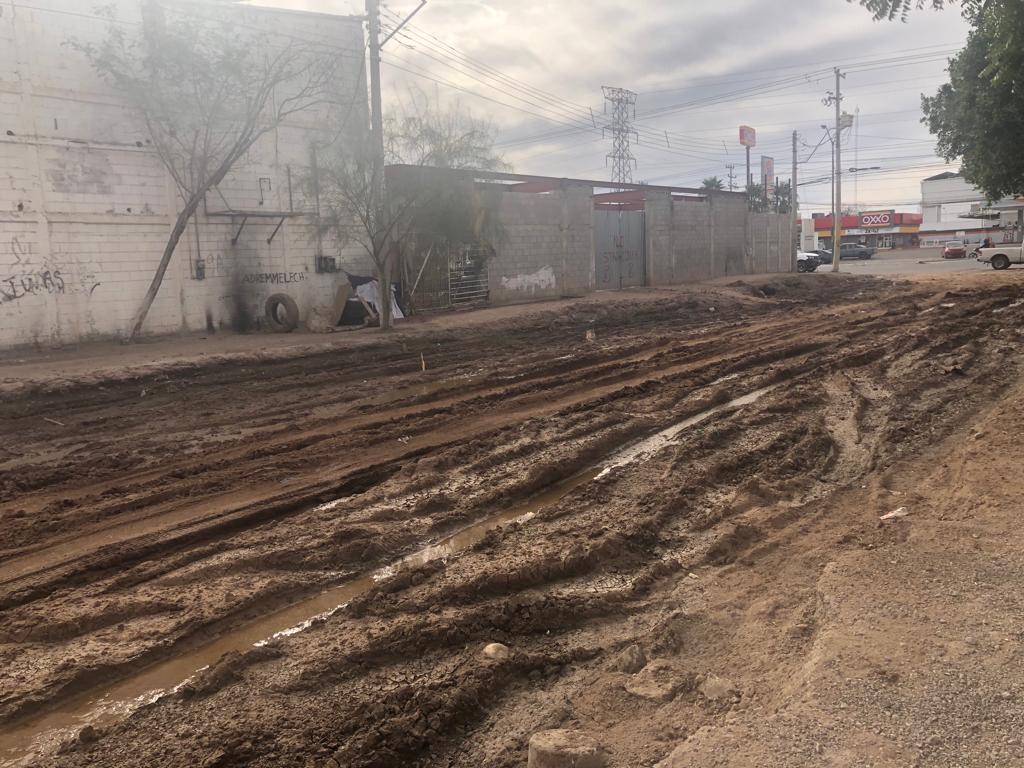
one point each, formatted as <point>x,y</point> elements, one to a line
<point>877,219</point>
<point>878,229</point>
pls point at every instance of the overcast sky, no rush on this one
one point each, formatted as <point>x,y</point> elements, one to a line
<point>710,66</point>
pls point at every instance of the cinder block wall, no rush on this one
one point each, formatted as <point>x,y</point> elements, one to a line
<point>772,245</point>
<point>693,240</point>
<point>86,206</point>
<point>660,246</point>
<point>547,246</point>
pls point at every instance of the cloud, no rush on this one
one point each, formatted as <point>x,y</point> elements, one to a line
<point>684,53</point>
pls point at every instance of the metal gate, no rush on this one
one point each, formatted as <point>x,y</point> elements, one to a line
<point>455,276</point>
<point>619,257</point>
<point>468,275</point>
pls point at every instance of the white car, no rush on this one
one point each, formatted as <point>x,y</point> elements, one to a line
<point>807,262</point>
<point>1001,256</point>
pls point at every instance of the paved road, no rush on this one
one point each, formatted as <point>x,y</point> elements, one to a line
<point>916,261</point>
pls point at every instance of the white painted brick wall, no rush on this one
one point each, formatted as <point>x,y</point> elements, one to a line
<point>85,212</point>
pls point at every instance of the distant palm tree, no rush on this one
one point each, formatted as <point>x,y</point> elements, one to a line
<point>712,182</point>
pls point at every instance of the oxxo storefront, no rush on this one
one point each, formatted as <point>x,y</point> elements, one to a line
<point>875,229</point>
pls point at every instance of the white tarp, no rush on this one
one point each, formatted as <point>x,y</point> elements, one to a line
<point>370,293</point>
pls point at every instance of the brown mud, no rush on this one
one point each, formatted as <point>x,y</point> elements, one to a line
<point>186,507</point>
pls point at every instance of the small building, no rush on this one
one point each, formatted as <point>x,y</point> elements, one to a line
<point>876,229</point>
<point>954,209</point>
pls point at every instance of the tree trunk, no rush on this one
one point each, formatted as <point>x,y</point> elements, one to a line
<point>245,141</point>
<point>384,280</point>
<point>172,242</point>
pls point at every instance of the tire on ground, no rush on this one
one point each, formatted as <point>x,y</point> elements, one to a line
<point>282,313</point>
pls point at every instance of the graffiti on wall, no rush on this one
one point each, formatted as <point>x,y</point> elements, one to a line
<point>18,286</point>
<point>274,278</point>
<point>23,279</point>
<point>26,276</point>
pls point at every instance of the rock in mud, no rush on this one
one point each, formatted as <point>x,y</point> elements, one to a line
<point>564,749</point>
<point>497,651</point>
<point>86,736</point>
<point>630,660</point>
<point>659,681</point>
<point>717,688</point>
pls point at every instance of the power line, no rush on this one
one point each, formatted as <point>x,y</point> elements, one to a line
<point>460,62</point>
<point>564,112</point>
<point>847,62</point>
<point>489,77</point>
<point>654,131</point>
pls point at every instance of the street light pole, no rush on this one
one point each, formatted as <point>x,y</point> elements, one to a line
<point>832,141</point>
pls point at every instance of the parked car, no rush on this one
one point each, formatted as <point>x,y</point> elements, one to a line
<point>807,261</point>
<point>1001,256</point>
<point>855,251</point>
<point>955,249</point>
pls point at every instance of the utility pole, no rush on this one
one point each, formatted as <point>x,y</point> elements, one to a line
<point>837,169</point>
<point>837,222</point>
<point>375,44</point>
<point>732,176</point>
<point>623,105</point>
<point>376,114</point>
<point>792,182</point>
<point>378,191</point>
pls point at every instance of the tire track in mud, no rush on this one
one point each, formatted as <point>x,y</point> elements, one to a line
<point>352,590</point>
<point>559,392</point>
<point>121,560</point>
<point>866,353</point>
<point>357,750</point>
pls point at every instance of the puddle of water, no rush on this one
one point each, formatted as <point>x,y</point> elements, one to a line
<point>19,744</point>
<point>649,446</point>
<point>1008,307</point>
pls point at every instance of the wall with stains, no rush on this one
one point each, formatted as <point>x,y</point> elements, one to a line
<point>547,246</point>
<point>86,206</point>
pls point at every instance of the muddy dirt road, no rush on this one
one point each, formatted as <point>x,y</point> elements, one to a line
<point>662,524</point>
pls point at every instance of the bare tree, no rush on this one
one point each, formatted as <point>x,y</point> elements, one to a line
<point>207,88</point>
<point>354,210</point>
<point>425,133</point>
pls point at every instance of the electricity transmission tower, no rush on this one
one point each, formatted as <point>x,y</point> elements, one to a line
<point>623,112</point>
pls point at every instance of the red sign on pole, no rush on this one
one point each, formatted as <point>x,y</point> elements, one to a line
<point>748,136</point>
<point>768,173</point>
